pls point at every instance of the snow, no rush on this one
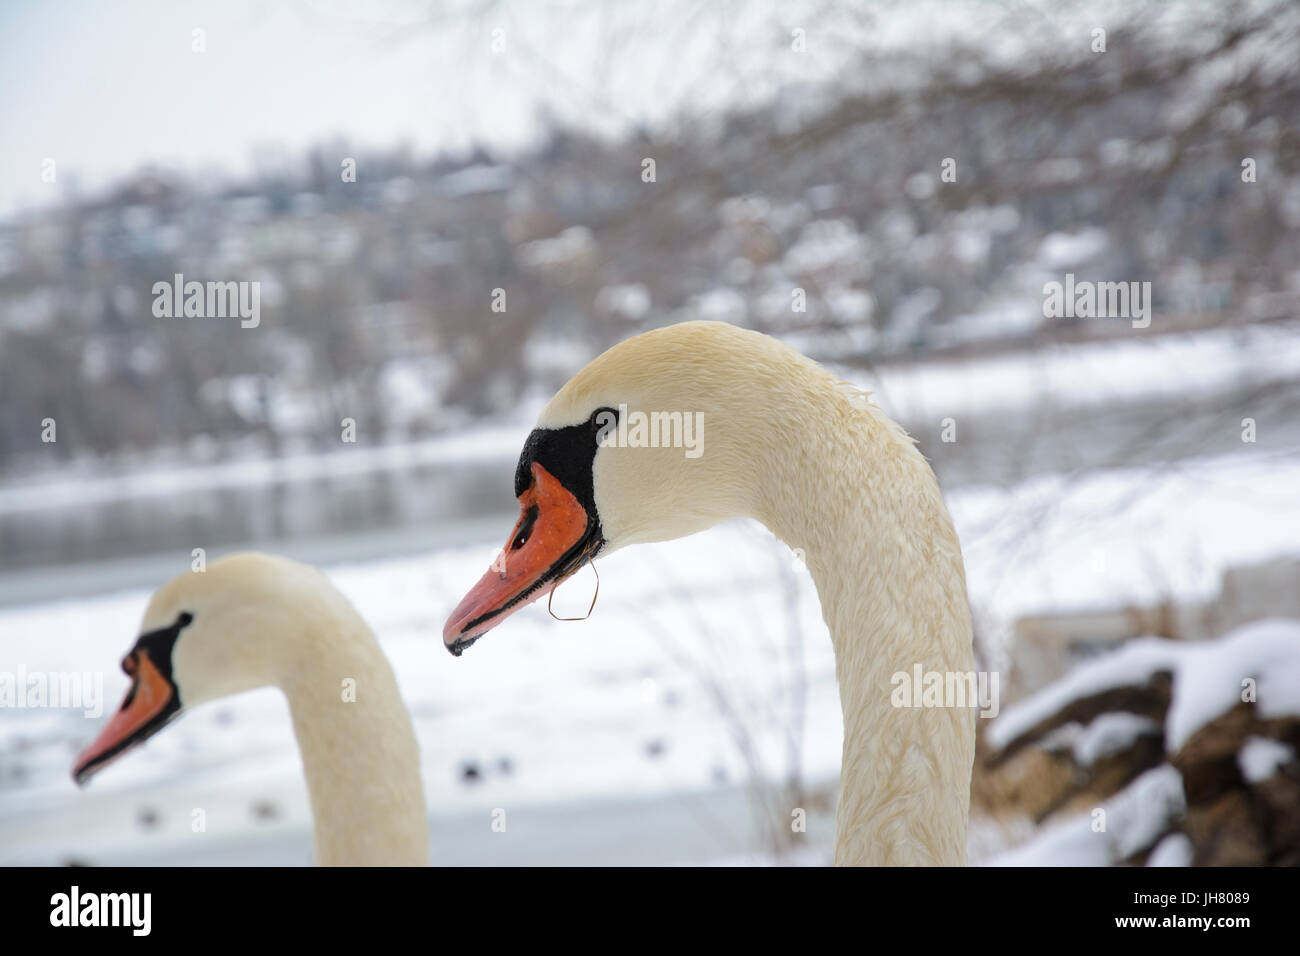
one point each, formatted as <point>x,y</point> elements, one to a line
<point>578,707</point>
<point>1174,850</point>
<point>1261,757</point>
<point>824,244</point>
<point>478,444</point>
<point>630,301</point>
<point>615,717</point>
<point>1110,734</point>
<point>1061,251</point>
<point>720,305</point>
<point>1209,678</point>
<point>850,305</point>
<point>570,246</point>
<point>1034,547</point>
<point>614,709</point>
<point>1130,822</point>
<point>1086,376</point>
<point>409,391</point>
<point>1134,664</point>
<point>1107,735</point>
<point>579,716</point>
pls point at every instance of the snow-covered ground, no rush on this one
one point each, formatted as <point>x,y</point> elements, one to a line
<point>1208,679</point>
<point>604,740</point>
<point>1086,376</point>
<point>570,714</point>
<point>575,726</point>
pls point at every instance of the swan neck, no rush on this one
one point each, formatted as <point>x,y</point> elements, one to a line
<point>865,508</point>
<point>359,754</point>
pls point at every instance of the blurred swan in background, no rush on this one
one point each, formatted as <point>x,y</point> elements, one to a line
<point>252,620</point>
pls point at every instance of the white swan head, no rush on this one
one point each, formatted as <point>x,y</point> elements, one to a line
<point>590,480</point>
<point>231,628</point>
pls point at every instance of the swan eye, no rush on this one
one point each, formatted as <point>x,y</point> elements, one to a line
<point>525,529</point>
<point>185,619</point>
<point>602,419</point>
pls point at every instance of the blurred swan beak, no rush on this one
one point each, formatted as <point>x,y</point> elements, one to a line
<point>150,703</point>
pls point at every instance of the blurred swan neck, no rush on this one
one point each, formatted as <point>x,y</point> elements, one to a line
<point>359,754</point>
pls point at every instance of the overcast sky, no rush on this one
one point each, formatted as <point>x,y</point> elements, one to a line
<point>106,87</point>
<point>103,88</point>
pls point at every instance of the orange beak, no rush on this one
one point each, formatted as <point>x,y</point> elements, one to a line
<point>550,541</point>
<point>149,704</point>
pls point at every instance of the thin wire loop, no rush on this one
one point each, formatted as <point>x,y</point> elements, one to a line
<point>595,595</point>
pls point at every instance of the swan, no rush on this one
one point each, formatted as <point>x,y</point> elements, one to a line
<point>785,443</point>
<point>252,620</point>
